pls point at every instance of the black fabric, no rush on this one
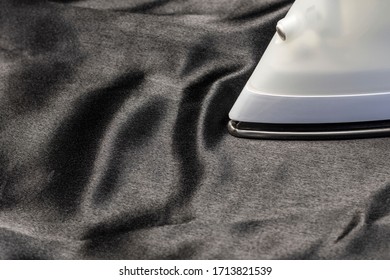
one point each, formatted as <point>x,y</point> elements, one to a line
<point>113,142</point>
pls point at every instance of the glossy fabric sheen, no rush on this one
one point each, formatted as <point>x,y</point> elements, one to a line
<point>113,142</point>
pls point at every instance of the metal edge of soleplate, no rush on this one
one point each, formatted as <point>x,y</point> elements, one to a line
<point>328,134</point>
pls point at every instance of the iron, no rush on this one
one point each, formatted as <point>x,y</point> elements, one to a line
<point>325,74</point>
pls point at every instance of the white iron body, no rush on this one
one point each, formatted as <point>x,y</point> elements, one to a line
<point>329,63</point>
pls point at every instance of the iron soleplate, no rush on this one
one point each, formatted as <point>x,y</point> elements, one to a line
<point>310,131</point>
